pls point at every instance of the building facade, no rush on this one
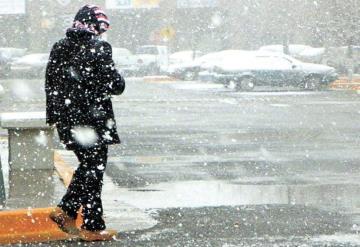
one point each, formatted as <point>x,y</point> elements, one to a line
<point>205,25</point>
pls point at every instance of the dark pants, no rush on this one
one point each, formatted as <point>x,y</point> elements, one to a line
<point>85,188</point>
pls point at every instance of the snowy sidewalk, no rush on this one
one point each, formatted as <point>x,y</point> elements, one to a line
<point>43,188</point>
<point>118,215</point>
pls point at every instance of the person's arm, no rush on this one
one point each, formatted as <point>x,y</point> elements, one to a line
<point>50,87</point>
<point>113,83</point>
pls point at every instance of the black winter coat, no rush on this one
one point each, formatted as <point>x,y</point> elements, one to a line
<point>80,79</point>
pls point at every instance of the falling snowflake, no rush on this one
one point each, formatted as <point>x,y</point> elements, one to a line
<point>110,123</point>
<point>85,136</point>
<point>41,138</point>
<point>22,91</point>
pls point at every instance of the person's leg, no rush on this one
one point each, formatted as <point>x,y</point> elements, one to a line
<point>96,160</point>
<point>71,201</point>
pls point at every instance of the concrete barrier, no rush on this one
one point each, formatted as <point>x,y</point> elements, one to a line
<point>33,225</point>
<point>30,140</point>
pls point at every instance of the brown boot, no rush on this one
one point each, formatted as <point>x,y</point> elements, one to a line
<point>103,235</point>
<point>63,221</point>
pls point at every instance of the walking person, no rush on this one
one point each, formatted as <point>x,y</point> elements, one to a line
<point>80,79</point>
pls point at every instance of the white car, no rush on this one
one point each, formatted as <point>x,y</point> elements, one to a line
<point>7,55</point>
<point>251,69</point>
<point>13,52</point>
<point>190,70</point>
<point>151,59</point>
<point>124,61</point>
<point>184,57</point>
<point>304,53</point>
<point>122,56</point>
<point>180,59</point>
<point>32,65</point>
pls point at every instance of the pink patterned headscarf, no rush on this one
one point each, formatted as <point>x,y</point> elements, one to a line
<point>92,18</point>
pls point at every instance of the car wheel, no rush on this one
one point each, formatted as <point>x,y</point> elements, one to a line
<point>312,83</point>
<point>246,84</point>
<point>189,76</point>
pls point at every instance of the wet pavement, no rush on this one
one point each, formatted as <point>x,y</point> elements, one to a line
<point>216,167</point>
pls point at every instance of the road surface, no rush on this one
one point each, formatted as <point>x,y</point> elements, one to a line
<point>215,167</point>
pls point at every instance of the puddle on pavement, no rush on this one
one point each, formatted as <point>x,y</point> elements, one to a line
<point>222,193</point>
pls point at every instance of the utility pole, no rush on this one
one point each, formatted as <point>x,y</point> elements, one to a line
<point>286,46</point>
<point>286,34</point>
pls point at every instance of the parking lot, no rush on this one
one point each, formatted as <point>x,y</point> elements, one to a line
<point>220,167</point>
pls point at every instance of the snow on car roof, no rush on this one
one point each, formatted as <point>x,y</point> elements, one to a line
<point>35,57</point>
<point>256,60</point>
<point>293,48</point>
<point>312,52</point>
<point>183,54</point>
<point>221,54</point>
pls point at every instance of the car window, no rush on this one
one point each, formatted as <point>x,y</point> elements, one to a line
<point>273,63</point>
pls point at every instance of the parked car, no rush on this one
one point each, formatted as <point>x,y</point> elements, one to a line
<point>151,59</point>
<point>13,52</point>
<point>304,53</point>
<point>184,56</point>
<point>124,61</point>
<point>32,65</point>
<point>7,55</point>
<point>181,59</point>
<point>252,69</point>
<point>294,49</point>
<point>190,70</point>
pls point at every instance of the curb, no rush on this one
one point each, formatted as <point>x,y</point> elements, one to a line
<point>34,225</point>
<point>29,226</point>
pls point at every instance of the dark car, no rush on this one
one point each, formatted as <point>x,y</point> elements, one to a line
<point>253,69</point>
